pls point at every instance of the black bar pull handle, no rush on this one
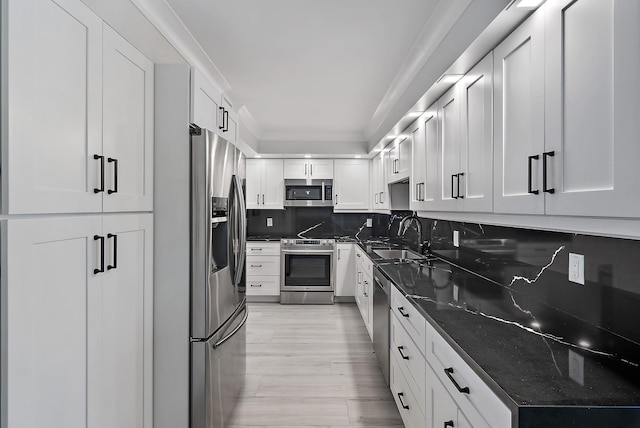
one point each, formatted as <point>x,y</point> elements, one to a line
<point>101,239</point>
<point>256,285</point>
<point>115,175</point>
<point>400,395</point>
<point>221,109</point>
<point>404,357</point>
<point>448,424</point>
<point>453,176</point>
<point>402,312</point>
<point>529,173</point>
<point>225,120</point>
<point>449,372</point>
<point>546,155</point>
<point>115,251</point>
<point>460,175</point>
<point>101,188</point>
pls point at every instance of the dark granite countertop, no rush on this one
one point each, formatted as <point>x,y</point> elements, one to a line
<point>532,355</point>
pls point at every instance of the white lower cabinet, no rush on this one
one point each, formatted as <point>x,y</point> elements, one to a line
<point>408,403</point>
<point>263,270</point>
<point>345,270</point>
<point>364,288</point>
<point>77,294</point>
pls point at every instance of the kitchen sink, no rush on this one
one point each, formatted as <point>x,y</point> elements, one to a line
<point>398,254</point>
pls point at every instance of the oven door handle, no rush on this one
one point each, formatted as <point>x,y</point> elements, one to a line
<point>319,252</point>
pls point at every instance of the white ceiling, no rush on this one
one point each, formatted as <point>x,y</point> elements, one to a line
<point>307,70</point>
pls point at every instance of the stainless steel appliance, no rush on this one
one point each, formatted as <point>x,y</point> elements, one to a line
<point>306,274</point>
<point>381,310</point>
<point>218,304</point>
<point>308,193</point>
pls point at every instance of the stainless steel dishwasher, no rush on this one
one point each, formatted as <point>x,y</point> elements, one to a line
<point>381,296</point>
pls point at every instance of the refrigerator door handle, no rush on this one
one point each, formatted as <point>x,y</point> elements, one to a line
<point>234,331</point>
<point>239,220</point>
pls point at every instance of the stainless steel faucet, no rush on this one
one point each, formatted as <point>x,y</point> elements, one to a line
<point>408,221</point>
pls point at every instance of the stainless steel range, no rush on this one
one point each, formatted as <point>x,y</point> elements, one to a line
<point>307,271</point>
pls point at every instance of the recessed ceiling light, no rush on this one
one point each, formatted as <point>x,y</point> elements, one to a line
<point>307,156</point>
<point>257,156</point>
<point>528,4</point>
<point>450,78</point>
<point>357,156</point>
<point>413,114</point>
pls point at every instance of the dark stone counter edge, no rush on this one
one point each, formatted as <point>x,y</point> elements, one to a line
<point>533,416</point>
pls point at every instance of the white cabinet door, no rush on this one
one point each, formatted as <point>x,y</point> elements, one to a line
<point>351,185</point>
<point>345,270</point>
<point>205,102</point>
<point>399,160</point>
<point>476,154</point>
<point>296,169</point>
<point>591,108</point>
<point>519,118</point>
<point>48,286</point>
<point>272,196</point>
<point>121,326</point>
<point>52,122</point>
<point>321,169</point>
<point>449,162</point>
<point>253,183</point>
<point>227,121</point>
<point>417,179</point>
<point>428,189</point>
<point>127,125</point>
<point>380,194</point>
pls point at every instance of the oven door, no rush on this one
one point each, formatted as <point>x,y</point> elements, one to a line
<point>307,270</point>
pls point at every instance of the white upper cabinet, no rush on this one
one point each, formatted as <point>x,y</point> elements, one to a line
<point>79,122</point>
<point>592,113</point>
<point>351,185</point>
<point>424,162</point>
<point>519,119</point>
<point>476,141</point>
<point>52,123</point>
<point>127,129</point>
<point>399,159</point>
<point>380,188</point>
<point>205,102</point>
<point>302,169</point>
<point>228,123</point>
<point>264,184</point>
<point>449,152</point>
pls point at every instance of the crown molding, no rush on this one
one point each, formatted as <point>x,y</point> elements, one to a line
<point>164,18</point>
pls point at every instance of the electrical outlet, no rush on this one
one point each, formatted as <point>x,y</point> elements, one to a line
<point>576,268</point>
<point>269,222</point>
<point>369,222</point>
<point>456,238</point>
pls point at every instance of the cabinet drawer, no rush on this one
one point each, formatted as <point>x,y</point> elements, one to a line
<point>412,362</point>
<point>261,266</point>
<point>412,321</point>
<point>450,367</point>
<point>263,249</point>
<point>367,265</point>
<point>263,285</point>
<point>408,404</point>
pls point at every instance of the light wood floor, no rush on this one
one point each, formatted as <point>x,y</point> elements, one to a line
<point>312,366</point>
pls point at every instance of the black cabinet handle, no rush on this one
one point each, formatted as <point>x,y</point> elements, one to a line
<point>404,357</point>
<point>449,372</point>
<point>256,285</point>
<point>452,186</point>
<point>400,395</point>
<point>401,310</point>
<point>115,251</point>
<point>263,199</point>
<point>101,239</point>
<point>529,174</point>
<point>460,175</point>
<point>115,175</point>
<point>546,155</point>
<point>101,188</point>
<point>448,424</point>
<point>225,120</point>
<point>222,116</point>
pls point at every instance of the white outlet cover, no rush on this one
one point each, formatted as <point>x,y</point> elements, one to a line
<point>456,238</point>
<point>269,222</point>
<point>576,268</point>
<point>369,222</point>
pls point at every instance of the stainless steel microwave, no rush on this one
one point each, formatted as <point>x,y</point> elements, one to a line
<point>308,193</point>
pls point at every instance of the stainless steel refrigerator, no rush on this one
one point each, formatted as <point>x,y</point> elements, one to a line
<point>218,304</point>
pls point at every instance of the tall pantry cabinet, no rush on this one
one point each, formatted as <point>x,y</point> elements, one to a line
<point>77,228</point>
